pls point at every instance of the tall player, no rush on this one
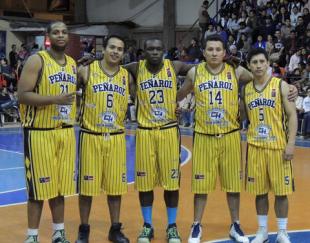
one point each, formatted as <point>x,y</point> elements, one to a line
<point>46,92</point>
<point>157,136</point>
<point>102,146</point>
<point>217,146</point>
<point>271,140</point>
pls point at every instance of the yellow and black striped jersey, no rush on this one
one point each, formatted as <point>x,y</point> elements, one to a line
<point>266,115</point>
<point>105,99</point>
<point>53,80</point>
<point>156,94</point>
<point>217,102</point>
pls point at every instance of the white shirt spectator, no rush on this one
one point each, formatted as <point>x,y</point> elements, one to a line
<point>261,3</point>
<point>294,61</point>
<point>294,18</point>
<point>306,104</point>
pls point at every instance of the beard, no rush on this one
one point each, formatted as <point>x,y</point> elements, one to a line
<point>59,48</point>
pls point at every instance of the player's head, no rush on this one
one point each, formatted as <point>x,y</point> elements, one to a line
<point>113,49</point>
<point>58,34</point>
<point>258,61</point>
<point>215,50</point>
<point>154,51</point>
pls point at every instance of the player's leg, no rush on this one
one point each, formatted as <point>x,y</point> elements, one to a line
<point>168,143</point>
<point>115,183</point>
<point>230,169</point>
<point>65,167</point>
<point>257,183</point>
<point>146,178</point>
<point>40,177</point>
<point>204,174</point>
<point>282,183</point>
<point>89,180</point>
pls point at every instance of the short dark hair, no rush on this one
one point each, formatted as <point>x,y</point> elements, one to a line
<point>107,38</point>
<point>153,39</point>
<point>256,51</point>
<point>215,38</point>
<point>50,25</point>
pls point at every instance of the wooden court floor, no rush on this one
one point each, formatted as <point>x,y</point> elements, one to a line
<point>215,222</point>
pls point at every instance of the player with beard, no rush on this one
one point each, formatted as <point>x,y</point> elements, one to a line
<point>47,93</point>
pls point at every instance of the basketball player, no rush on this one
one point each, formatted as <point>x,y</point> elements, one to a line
<point>46,91</point>
<point>271,140</point>
<point>217,139</point>
<point>102,146</point>
<point>157,135</point>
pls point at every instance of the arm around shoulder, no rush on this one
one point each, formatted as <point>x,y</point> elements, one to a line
<point>188,85</point>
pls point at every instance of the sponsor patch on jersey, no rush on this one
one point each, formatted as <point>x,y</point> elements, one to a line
<point>169,73</point>
<point>273,93</point>
<point>251,179</point>
<point>263,131</point>
<point>124,80</point>
<point>229,75</point>
<point>216,114</point>
<point>199,177</point>
<point>44,179</point>
<point>64,111</point>
<point>73,69</point>
<point>159,113</point>
<point>108,117</point>
<point>141,173</point>
<point>88,178</point>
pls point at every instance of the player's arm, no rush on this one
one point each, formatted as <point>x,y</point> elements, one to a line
<point>243,75</point>
<point>188,85</point>
<point>132,68</point>
<point>290,111</point>
<point>28,82</point>
<point>243,113</point>
<point>182,68</point>
<point>132,87</point>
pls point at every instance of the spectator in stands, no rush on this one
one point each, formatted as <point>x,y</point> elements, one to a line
<point>261,3</point>
<point>294,16</point>
<point>232,24</point>
<point>306,16</point>
<point>299,109</point>
<point>294,4</point>
<point>34,49</point>
<point>305,4</point>
<point>13,57</point>
<point>8,74</point>
<point>278,41</point>
<point>210,31</point>
<point>306,109</point>
<point>130,55</point>
<point>243,30</point>
<point>260,42</point>
<point>300,27</point>
<point>252,20</point>
<point>307,40</point>
<point>294,61</point>
<point>221,32</point>
<point>231,40</point>
<point>305,79</point>
<point>269,44</point>
<point>203,17</point>
<point>283,15</point>
<point>193,51</point>
<point>233,51</point>
<point>243,17</point>
<point>244,44</point>
<point>286,28</point>
<point>291,42</point>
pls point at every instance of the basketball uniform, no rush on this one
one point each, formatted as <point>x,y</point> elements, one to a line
<point>49,139</point>
<point>157,136</point>
<point>102,145</point>
<point>216,147</point>
<point>267,138</point>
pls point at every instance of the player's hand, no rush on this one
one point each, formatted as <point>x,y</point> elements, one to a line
<point>65,99</point>
<point>86,60</point>
<point>178,111</point>
<point>232,60</point>
<point>292,94</point>
<point>288,152</point>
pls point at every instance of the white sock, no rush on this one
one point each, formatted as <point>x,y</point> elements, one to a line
<point>237,221</point>
<point>60,226</point>
<point>32,231</point>
<point>282,224</point>
<point>262,221</point>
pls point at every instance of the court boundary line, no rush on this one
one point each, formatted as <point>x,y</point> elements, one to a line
<point>11,151</point>
<point>12,168</point>
<point>270,233</point>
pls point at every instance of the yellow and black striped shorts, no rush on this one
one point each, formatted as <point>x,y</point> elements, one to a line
<point>266,170</point>
<point>50,162</point>
<point>102,163</point>
<point>213,155</point>
<point>157,159</point>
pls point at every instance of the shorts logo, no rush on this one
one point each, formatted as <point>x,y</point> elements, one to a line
<point>88,178</point>
<point>251,179</point>
<point>141,173</point>
<point>286,180</point>
<point>199,177</point>
<point>44,179</point>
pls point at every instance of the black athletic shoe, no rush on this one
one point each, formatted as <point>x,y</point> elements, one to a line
<point>83,234</point>
<point>116,235</point>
